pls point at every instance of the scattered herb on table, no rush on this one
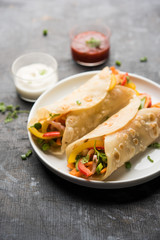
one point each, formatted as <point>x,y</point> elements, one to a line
<point>143,59</point>
<point>25,156</point>
<point>13,111</point>
<point>2,107</point>
<point>155,145</point>
<point>45,32</point>
<point>150,159</point>
<point>118,63</point>
<point>128,165</point>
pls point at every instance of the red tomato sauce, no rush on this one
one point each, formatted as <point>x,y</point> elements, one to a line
<point>84,53</point>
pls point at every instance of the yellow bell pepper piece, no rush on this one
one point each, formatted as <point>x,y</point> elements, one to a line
<point>113,82</point>
<point>38,134</point>
<point>137,93</point>
<point>44,126</point>
<point>88,144</point>
<point>131,85</point>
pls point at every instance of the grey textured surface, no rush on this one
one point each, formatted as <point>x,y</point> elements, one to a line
<point>35,204</point>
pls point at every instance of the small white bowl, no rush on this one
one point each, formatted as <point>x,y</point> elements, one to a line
<point>30,86</point>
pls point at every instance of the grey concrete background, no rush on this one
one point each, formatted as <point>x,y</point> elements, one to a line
<point>35,204</point>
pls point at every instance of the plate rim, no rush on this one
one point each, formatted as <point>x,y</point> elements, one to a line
<point>81,181</point>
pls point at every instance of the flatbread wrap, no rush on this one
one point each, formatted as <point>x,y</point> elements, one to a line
<point>57,125</point>
<point>127,133</point>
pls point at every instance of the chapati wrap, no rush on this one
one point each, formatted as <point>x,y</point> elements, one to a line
<point>82,110</point>
<point>122,136</point>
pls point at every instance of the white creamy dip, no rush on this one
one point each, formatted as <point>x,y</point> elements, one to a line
<point>32,80</point>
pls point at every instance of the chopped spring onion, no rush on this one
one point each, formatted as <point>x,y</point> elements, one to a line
<point>99,168</point>
<point>93,43</point>
<point>118,63</point>
<point>149,158</point>
<point>128,165</point>
<point>45,32</point>
<point>143,59</point>
<point>45,147</point>
<point>37,125</point>
<point>155,145</point>
<point>143,100</point>
<point>78,102</point>
<point>43,72</point>
<point>54,115</point>
<point>25,156</point>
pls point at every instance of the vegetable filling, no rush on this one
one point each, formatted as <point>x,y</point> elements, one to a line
<point>49,133</point>
<point>90,161</point>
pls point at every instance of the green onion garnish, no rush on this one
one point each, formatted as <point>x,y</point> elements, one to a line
<point>143,100</point>
<point>128,80</point>
<point>85,159</point>
<point>40,141</point>
<point>2,107</point>
<point>9,108</point>
<point>128,165</point>
<point>45,32</point>
<point>45,147</point>
<point>143,59</point>
<point>28,153</point>
<point>99,168</point>
<point>37,125</point>
<point>78,102</point>
<point>155,145</point>
<point>13,111</point>
<point>149,158</point>
<point>93,43</point>
<point>118,63</point>
<point>23,157</point>
<point>54,115</point>
<point>43,72</point>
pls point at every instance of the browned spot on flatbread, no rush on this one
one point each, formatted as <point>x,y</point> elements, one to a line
<point>88,99</point>
<point>108,124</point>
<point>116,155</point>
<point>135,141</point>
<point>152,117</point>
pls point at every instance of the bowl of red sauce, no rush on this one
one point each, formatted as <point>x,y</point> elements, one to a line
<point>90,44</point>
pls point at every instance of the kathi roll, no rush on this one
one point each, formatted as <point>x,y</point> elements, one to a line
<point>113,143</point>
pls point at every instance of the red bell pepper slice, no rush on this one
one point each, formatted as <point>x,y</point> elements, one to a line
<point>52,134</point>
<point>124,80</point>
<point>83,169</point>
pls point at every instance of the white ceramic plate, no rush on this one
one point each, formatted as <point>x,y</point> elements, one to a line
<point>142,169</point>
